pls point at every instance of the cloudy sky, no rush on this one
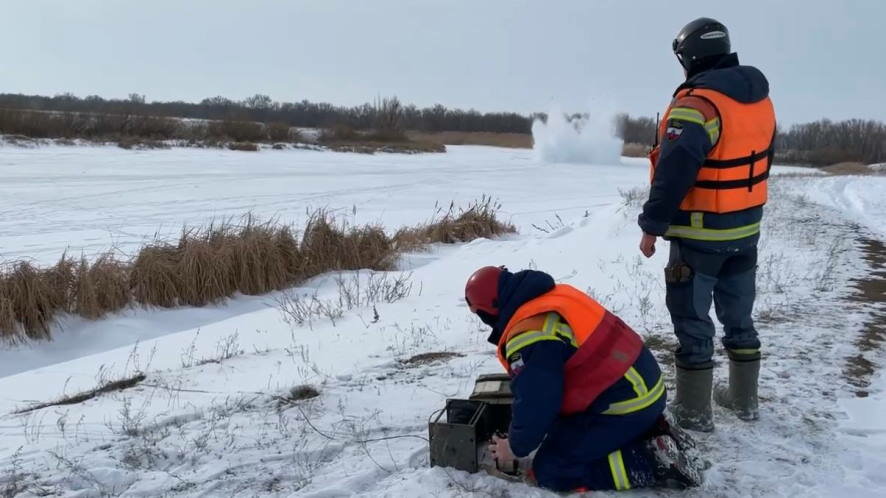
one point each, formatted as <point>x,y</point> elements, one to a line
<point>824,58</point>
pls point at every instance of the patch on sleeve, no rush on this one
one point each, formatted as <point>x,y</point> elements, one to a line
<point>516,363</point>
<point>674,130</point>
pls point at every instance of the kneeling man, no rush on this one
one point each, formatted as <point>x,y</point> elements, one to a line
<point>588,394</point>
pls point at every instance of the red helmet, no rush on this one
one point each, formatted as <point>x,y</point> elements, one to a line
<point>481,291</point>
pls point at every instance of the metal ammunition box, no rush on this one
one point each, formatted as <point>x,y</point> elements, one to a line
<point>469,424</point>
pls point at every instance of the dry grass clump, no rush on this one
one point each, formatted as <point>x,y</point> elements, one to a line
<point>295,395</point>
<point>302,392</point>
<point>366,147</point>
<point>254,258</point>
<point>236,130</point>
<point>201,268</point>
<point>28,300</point>
<point>153,278</point>
<point>338,132</point>
<point>209,264</point>
<point>331,246</point>
<point>635,150</point>
<point>89,126</point>
<point>140,131</point>
<point>494,139</point>
<point>280,132</point>
<point>243,146</point>
<point>213,263</point>
<point>263,257</point>
<point>850,168</point>
<point>344,138</point>
<point>478,220</point>
<point>100,288</point>
<point>130,143</point>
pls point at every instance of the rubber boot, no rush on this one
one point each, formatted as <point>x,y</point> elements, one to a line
<point>692,406</point>
<point>741,394</point>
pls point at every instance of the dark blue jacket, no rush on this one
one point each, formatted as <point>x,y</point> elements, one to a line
<point>682,157</point>
<point>538,387</point>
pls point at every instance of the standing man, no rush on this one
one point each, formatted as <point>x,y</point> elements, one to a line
<point>708,189</point>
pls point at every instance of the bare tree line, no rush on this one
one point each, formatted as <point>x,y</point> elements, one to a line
<point>827,142</point>
<point>821,142</point>
<point>304,114</point>
<point>638,130</point>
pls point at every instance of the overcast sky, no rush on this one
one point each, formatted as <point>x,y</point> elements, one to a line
<point>824,58</point>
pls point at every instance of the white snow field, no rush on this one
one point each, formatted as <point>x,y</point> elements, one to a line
<point>211,418</point>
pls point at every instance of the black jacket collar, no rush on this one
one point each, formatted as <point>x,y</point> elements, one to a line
<point>515,290</point>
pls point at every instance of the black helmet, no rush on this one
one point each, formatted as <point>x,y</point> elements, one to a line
<point>700,39</point>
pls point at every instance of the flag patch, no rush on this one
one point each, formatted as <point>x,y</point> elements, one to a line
<point>517,364</point>
<point>674,130</point>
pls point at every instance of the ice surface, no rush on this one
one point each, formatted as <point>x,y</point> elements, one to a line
<point>92,198</point>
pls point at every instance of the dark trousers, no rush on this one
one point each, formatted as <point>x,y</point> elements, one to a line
<point>694,278</point>
<point>575,453</point>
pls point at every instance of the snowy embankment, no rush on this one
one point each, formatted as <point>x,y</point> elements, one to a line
<point>861,202</point>
<point>861,198</point>
<point>215,415</point>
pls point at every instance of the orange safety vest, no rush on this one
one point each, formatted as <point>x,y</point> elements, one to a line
<point>734,175</point>
<point>607,347</point>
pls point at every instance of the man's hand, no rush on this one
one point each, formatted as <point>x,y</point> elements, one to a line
<point>647,245</point>
<point>501,452</point>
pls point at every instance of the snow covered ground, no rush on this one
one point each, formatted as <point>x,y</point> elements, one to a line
<point>861,197</point>
<point>213,418</point>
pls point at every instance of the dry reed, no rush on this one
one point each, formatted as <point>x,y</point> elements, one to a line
<point>210,264</point>
<point>454,225</point>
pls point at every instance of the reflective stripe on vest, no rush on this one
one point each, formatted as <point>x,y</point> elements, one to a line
<point>645,396</point>
<point>685,114</point>
<point>690,115</point>
<point>582,313</point>
<point>605,346</point>
<point>696,230</point>
<point>734,175</point>
<point>619,472</point>
<point>713,128</point>
<point>553,330</point>
<point>711,234</point>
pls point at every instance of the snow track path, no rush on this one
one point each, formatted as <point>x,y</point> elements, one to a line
<point>214,416</point>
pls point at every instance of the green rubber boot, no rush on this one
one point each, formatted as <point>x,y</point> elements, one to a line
<point>740,395</point>
<point>692,406</point>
